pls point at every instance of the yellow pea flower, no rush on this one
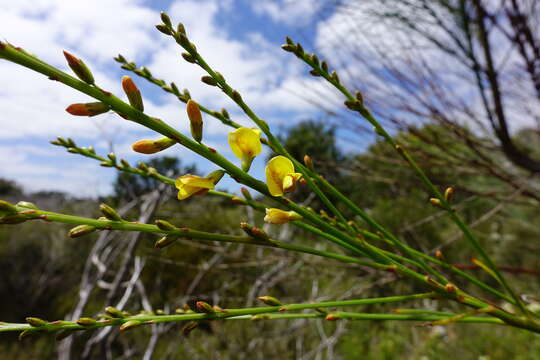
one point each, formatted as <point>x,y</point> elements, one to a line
<point>245,144</point>
<point>188,185</point>
<point>277,216</point>
<point>280,176</point>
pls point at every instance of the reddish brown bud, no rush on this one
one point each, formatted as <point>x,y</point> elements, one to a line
<point>129,325</point>
<point>79,68</point>
<point>152,146</point>
<point>195,120</point>
<point>451,288</point>
<point>332,317</point>
<point>186,330</point>
<point>88,109</point>
<point>204,307</point>
<point>133,93</point>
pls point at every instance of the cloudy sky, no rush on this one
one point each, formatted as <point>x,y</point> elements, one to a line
<point>240,38</point>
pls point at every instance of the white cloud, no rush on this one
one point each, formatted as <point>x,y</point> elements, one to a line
<point>290,12</point>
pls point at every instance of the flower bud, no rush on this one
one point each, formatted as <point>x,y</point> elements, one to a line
<point>86,321</point>
<point>109,212</point>
<point>88,109</point>
<point>114,312</point>
<point>166,19</point>
<point>26,204</point>
<point>181,29</point>
<point>449,194</point>
<point>215,176</point>
<point>129,325</point>
<point>12,219</point>
<point>81,230</point>
<point>204,307</point>
<point>133,93</point>
<point>269,300</point>
<point>164,29</point>
<point>36,322</point>
<point>6,207</point>
<point>308,162</point>
<point>246,193</point>
<point>208,80</point>
<point>195,120</point>
<point>188,57</point>
<point>165,241</point>
<point>152,146</point>
<point>225,113</point>
<point>165,225</point>
<point>79,68</point>
<point>254,232</point>
<point>26,333</point>
<point>186,330</point>
<point>435,202</point>
<point>277,216</point>
<point>332,317</point>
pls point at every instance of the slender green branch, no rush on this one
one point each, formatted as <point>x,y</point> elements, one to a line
<point>356,104</point>
<point>183,233</point>
<point>120,318</point>
<point>144,171</point>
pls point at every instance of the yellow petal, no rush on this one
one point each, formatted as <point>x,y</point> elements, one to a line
<point>277,216</point>
<point>186,191</point>
<point>245,142</point>
<point>188,185</point>
<point>199,182</point>
<point>276,170</point>
<point>289,182</point>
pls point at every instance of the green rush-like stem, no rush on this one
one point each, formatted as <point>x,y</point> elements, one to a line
<point>188,234</point>
<point>242,314</point>
<point>375,317</point>
<point>194,234</point>
<point>255,204</point>
<point>226,313</point>
<point>366,114</point>
<point>449,267</point>
<point>261,207</point>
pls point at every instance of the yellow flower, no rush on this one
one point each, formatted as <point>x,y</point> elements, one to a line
<point>277,216</point>
<point>280,176</point>
<point>188,185</point>
<point>245,144</point>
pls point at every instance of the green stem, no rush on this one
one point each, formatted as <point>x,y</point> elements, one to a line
<point>226,313</point>
<point>187,234</point>
<point>261,207</point>
<point>379,129</point>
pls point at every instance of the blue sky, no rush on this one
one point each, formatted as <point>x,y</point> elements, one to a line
<point>240,38</point>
